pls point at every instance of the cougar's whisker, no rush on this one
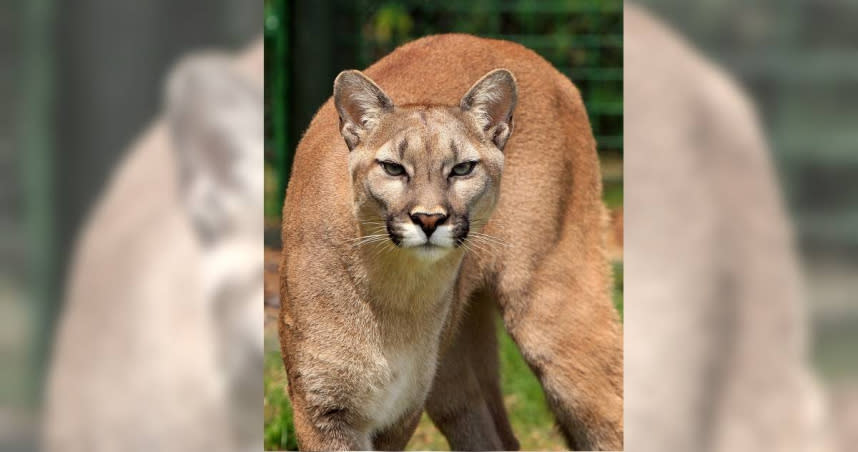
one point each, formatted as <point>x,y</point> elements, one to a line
<point>489,238</point>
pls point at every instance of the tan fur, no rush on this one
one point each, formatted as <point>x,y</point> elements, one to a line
<point>348,316</point>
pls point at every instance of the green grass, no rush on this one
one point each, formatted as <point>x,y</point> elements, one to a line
<point>279,429</point>
<point>613,194</point>
<point>529,415</point>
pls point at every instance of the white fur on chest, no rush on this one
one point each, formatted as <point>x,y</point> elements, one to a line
<point>408,369</point>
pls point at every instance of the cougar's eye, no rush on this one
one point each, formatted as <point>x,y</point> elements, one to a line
<point>393,169</point>
<point>463,169</point>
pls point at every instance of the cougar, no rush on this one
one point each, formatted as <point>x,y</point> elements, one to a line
<point>455,175</point>
<point>159,345</point>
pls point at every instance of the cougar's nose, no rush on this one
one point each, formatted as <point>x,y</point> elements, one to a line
<point>428,221</point>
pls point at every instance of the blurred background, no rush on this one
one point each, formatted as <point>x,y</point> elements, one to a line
<point>797,61</point>
<point>794,64</point>
<point>308,43</point>
<point>79,82</point>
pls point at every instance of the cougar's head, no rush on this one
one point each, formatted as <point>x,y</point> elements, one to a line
<point>424,176</point>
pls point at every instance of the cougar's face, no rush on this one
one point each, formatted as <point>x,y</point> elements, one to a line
<point>425,178</point>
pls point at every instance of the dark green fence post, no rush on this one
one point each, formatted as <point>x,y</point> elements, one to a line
<point>277,88</point>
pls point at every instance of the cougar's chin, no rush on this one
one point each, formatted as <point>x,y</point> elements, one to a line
<point>430,253</point>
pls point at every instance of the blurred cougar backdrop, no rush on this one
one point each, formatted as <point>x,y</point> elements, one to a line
<point>719,350</point>
<point>125,236</point>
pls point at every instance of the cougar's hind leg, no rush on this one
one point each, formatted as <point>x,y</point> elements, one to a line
<point>465,402</point>
<point>485,362</point>
<point>396,436</point>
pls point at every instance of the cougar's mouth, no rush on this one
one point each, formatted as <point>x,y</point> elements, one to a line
<point>408,235</point>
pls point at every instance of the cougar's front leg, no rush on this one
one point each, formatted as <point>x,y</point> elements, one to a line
<point>568,331</point>
<point>466,402</point>
<point>331,430</point>
<point>323,378</point>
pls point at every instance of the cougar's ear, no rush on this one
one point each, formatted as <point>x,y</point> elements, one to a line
<point>491,101</point>
<point>360,104</point>
<point>215,120</point>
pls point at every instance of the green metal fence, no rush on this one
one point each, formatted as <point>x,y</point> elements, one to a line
<point>582,38</point>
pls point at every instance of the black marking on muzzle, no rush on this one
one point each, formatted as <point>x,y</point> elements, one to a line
<point>396,239</point>
<point>462,230</point>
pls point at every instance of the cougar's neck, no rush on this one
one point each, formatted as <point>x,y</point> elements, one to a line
<point>400,279</point>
